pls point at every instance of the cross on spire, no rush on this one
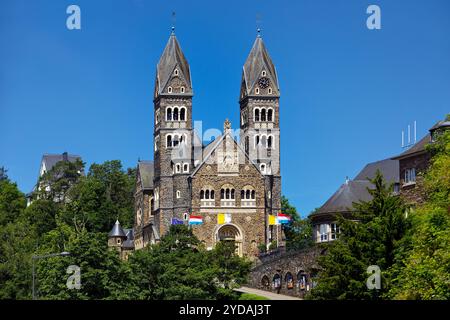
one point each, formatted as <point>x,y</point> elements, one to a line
<point>174,21</point>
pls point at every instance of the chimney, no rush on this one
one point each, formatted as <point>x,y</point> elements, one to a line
<point>65,156</point>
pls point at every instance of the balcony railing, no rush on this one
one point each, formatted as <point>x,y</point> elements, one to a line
<point>227,203</point>
<point>207,203</point>
<point>248,203</point>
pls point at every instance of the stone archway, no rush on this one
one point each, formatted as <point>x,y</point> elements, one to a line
<point>229,232</point>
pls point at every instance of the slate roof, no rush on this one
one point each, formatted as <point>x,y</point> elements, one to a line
<point>146,171</point>
<point>388,167</point>
<point>342,200</point>
<point>418,148</point>
<point>356,190</point>
<point>440,124</point>
<point>172,57</point>
<point>129,243</point>
<point>257,61</point>
<point>51,159</point>
<point>117,231</point>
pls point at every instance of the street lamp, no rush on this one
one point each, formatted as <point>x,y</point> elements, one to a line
<point>61,254</point>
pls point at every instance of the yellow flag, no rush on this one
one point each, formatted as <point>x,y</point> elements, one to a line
<point>223,218</point>
<point>273,220</point>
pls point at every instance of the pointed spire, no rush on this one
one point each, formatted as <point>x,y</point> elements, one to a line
<point>171,59</point>
<point>117,231</point>
<point>258,65</point>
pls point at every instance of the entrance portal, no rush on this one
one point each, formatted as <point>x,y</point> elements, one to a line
<point>230,233</point>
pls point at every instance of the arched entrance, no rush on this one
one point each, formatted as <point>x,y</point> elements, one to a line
<point>231,233</point>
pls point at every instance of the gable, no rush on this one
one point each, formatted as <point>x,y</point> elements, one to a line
<point>226,157</point>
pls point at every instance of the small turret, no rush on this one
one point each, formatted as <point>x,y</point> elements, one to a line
<point>116,236</point>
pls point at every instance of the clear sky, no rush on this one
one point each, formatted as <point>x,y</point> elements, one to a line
<point>346,92</point>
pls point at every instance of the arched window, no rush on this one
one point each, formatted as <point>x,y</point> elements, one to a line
<point>182,89</point>
<point>256,114</point>
<point>183,114</point>
<point>248,197</point>
<point>212,194</point>
<point>257,90</point>
<point>269,142</point>
<point>175,114</point>
<point>263,73</point>
<point>169,141</point>
<point>263,114</point>
<point>289,280</point>
<point>207,194</point>
<point>177,168</point>
<point>227,193</point>
<point>175,72</point>
<point>256,140</point>
<point>302,280</point>
<point>169,114</point>
<point>269,91</point>
<point>185,168</point>
<point>169,89</point>
<point>276,281</point>
<point>202,194</point>
<point>270,115</point>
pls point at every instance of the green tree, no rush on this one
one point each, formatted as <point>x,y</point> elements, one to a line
<point>370,241</point>
<point>3,175</point>
<point>422,268</point>
<point>55,183</point>
<point>103,274</point>
<point>102,197</point>
<point>180,268</point>
<point>12,201</point>
<point>299,231</point>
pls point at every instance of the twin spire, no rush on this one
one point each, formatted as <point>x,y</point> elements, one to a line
<point>173,71</point>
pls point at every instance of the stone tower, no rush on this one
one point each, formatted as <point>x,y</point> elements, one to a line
<point>260,121</point>
<point>172,136</point>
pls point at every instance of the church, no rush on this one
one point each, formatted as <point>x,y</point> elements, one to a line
<point>229,186</point>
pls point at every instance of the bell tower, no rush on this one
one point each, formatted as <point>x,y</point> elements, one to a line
<point>172,135</point>
<point>260,121</point>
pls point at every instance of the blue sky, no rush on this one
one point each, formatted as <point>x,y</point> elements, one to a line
<point>346,92</point>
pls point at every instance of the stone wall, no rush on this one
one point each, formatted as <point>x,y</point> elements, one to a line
<point>296,272</point>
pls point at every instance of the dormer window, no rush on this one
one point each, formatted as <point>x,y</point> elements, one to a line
<point>257,90</point>
<point>182,89</point>
<point>175,72</point>
<point>169,89</point>
<point>263,73</point>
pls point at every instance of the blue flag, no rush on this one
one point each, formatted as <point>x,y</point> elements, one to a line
<point>177,221</point>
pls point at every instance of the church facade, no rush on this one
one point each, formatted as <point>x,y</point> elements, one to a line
<point>231,186</point>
